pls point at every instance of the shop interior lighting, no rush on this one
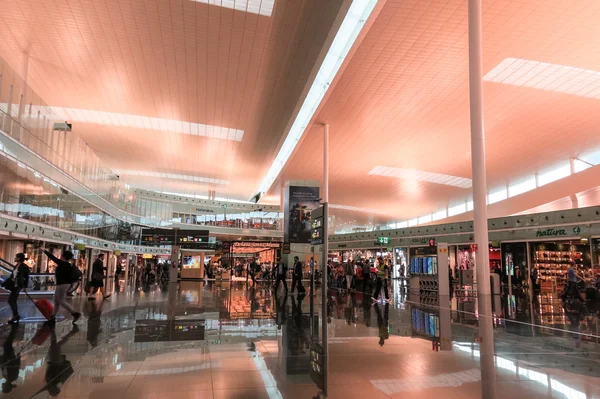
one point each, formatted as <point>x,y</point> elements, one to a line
<point>545,76</point>
<point>172,176</point>
<point>140,122</point>
<point>357,15</point>
<point>260,7</point>
<point>419,175</point>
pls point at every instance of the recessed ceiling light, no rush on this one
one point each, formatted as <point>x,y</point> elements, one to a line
<point>261,7</point>
<point>546,76</point>
<point>419,175</point>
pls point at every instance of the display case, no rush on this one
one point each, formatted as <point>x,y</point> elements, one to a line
<point>551,260</point>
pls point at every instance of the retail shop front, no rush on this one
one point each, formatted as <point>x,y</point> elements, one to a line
<point>240,252</point>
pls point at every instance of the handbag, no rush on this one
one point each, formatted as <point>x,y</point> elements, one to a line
<point>75,274</point>
<point>9,283</point>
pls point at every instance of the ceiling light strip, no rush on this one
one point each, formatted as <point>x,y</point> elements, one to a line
<point>545,76</point>
<point>419,175</point>
<point>171,176</point>
<point>140,122</point>
<point>357,15</point>
<point>260,7</point>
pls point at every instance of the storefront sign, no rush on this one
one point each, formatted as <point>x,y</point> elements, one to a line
<point>551,233</point>
<point>256,244</point>
<point>286,248</point>
<point>424,241</point>
<point>147,256</point>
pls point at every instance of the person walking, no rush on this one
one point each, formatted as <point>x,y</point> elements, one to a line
<point>382,269</point>
<point>97,281</point>
<point>254,268</point>
<point>281,274</point>
<point>63,274</point>
<point>349,270</point>
<point>17,281</point>
<point>297,275</point>
<point>366,273</point>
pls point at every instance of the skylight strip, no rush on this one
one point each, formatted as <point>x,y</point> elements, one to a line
<point>260,7</point>
<point>544,76</point>
<point>355,18</point>
<point>139,122</point>
<point>171,176</point>
<point>429,177</point>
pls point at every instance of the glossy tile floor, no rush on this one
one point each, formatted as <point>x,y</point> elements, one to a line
<point>218,340</point>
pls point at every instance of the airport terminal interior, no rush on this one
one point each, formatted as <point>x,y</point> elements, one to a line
<point>248,199</point>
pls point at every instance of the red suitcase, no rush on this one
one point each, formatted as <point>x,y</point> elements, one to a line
<point>43,305</point>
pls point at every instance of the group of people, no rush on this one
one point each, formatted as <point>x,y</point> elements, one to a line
<point>67,275</point>
<point>350,274</point>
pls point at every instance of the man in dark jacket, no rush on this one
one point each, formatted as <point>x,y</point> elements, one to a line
<point>20,279</point>
<point>297,276</point>
<point>281,270</point>
<point>64,278</point>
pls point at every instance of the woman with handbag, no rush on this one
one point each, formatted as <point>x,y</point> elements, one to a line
<point>15,283</point>
<point>98,278</point>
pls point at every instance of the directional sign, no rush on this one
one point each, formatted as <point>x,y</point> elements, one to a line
<point>383,240</point>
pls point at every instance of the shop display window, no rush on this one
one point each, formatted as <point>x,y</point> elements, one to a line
<point>551,262</point>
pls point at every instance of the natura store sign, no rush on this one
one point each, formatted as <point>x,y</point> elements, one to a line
<point>558,232</point>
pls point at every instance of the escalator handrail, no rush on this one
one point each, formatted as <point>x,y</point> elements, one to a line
<point>6,266</point>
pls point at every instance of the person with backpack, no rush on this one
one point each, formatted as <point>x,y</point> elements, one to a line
<point>63,275</point>
<point>17,281</point>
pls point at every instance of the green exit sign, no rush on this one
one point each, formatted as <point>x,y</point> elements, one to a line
<point>223,205</point>
<point>383,240</point>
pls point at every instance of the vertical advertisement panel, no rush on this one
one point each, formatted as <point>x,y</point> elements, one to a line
<point>300,201</point>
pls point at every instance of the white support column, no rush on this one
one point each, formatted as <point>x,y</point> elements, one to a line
<point>324,287</point>
<point>478,163</point>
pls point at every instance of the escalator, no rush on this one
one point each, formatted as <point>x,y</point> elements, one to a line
<point>39,283</point>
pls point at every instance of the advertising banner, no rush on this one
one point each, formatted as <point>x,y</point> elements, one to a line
<point>299,202</point>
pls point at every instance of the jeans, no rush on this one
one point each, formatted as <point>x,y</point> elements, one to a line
<point>382,282</point>
<point>12,301</point>
<point>348,281</point>
<point>59,299</point>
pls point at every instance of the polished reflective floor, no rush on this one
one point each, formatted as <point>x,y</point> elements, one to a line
<point>222,340</point>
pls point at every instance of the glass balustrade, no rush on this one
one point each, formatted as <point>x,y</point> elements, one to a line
<point>27,119</point>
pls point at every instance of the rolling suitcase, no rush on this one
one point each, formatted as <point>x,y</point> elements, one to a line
<point>43,305</point>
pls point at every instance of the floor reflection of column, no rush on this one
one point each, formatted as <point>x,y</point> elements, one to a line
<point>486,348</point>
<point>445,324</point>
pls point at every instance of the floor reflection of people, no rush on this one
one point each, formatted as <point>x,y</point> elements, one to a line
<point>382,322</point>
<point>94,323</point>
<point>59,368</point>
<point>11,361</point>
<point>281,314</point>
<point>366,304</point>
